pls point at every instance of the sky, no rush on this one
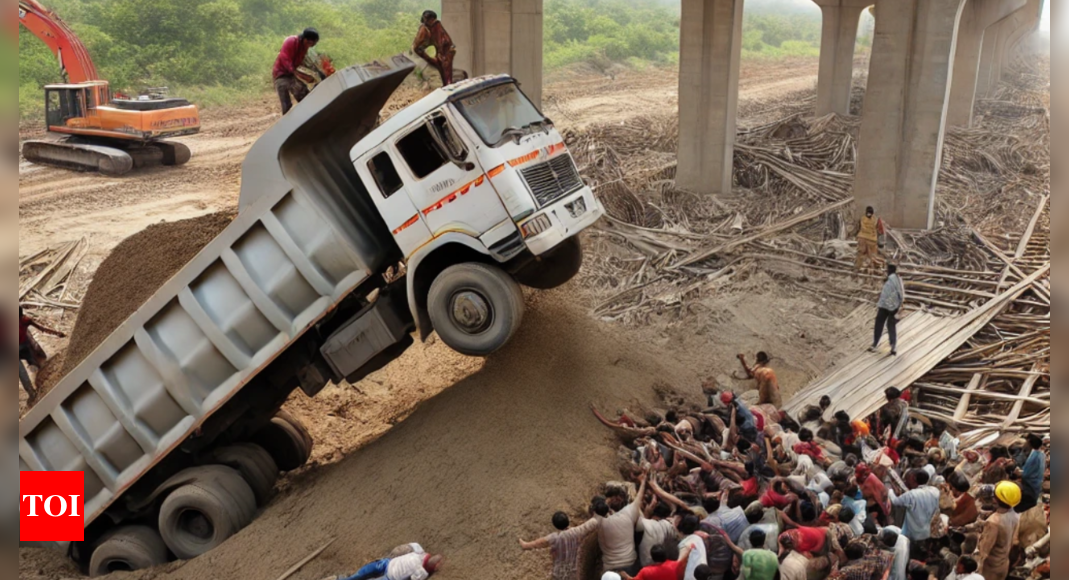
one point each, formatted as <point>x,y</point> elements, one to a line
<point>1046,16</point>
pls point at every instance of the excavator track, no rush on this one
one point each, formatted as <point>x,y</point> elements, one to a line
<point>111,161</point>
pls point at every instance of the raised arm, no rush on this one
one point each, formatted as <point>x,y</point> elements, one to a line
<point>705,465</point>
<point>541,544</point>
<point>746,367</point>
<point>684,559</point>
<point>667,497</point>
<point>738,551</point>
<point>643,482</point>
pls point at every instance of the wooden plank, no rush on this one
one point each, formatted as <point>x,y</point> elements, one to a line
<point>863,396</point>
<point>774,229</point>
<point>1022,247</point>
<point>963,406</point>
<point>1026,390</point>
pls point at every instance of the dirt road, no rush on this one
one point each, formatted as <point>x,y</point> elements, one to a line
<point>462,455</point>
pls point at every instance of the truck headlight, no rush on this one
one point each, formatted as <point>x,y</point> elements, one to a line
<point>536,226</point>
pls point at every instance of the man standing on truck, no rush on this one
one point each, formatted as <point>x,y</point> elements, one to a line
<point>30,351</point>
<point>432,33</point>
<point>288,80</point>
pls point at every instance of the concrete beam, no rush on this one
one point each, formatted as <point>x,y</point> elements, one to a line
<point>709,60</point>
<point>977,16</point>
<point>498,37</point>
<point>904,121</point>
<point>837,43</point>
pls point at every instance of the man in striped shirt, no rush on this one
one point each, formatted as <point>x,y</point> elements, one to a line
<point>564,545</point>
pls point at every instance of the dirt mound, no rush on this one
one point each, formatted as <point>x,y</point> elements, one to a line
<point>471,470</point>
<point>131,274</point>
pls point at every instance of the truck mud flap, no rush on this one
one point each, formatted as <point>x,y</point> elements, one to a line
<point>370,340</point>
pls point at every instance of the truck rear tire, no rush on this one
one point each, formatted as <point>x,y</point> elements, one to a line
<point>128,549</point>
<point>286,440</point>
<point>254,464</point>
<point>555,268</point>
<point>475,308</point>
<point>197,518</point>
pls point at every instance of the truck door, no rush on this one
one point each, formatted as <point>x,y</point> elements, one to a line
<point>447,184</point>
<point>380,172</point>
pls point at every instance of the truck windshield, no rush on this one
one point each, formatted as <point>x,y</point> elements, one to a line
<point>499,112</point>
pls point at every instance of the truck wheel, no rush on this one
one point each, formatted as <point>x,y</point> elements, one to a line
<point>555,268</point>
<point>197,518</point>
<point>128,549</point>
<point>254,464</point>
<point>475,308</point>
<point>287,441</point>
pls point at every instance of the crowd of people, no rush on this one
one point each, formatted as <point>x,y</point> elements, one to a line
<point>749,492</point>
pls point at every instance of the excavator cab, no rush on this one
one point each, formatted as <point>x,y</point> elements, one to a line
<point>67,103</point>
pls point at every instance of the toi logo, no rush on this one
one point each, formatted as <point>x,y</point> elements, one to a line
<point>51,506</point>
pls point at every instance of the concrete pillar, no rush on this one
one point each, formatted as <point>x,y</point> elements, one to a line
<point>977,16</point>
<point>709,59</point>
<point>1032,18</point>
<point>904,121</point>
<point>498,37</point>
<point>997,38</point>
<point>837,43</point>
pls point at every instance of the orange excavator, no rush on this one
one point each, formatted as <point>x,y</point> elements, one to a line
<point>95,130</point>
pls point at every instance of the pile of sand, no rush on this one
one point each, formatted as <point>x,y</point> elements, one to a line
<point>130,275</point>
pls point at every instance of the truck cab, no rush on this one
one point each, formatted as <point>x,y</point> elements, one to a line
<point>476,170</point>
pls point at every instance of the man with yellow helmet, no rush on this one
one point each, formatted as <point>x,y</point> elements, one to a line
<point>1000,533</point>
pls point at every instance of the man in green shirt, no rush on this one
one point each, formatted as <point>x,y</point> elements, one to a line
<point>759,563</point>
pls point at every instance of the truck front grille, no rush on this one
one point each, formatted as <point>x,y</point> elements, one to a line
<point>553,179</point>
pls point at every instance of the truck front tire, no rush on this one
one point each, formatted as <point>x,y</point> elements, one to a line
<point>554,269</point>
<point>198,517</point>
<point>128,549</point>
<point>475,308</point>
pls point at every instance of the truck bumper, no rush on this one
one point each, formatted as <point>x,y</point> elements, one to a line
<point>568,217</point>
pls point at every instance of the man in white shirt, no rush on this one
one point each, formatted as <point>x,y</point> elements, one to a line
<point>616,533</point>
<point>414,565</point>
<point>894,542</point>
<point>922,504</point>
<point>655,532</point>
<point>688,528</point>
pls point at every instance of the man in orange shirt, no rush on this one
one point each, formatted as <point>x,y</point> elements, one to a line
<point>432,33</point>
<point>767,383</point>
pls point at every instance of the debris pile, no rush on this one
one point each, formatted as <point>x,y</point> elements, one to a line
<point>662,251</point>
<point>44,277</point>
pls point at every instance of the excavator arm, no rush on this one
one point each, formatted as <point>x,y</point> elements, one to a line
<point>74,60</point>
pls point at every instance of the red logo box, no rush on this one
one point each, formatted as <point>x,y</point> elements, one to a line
<point>51,506</point>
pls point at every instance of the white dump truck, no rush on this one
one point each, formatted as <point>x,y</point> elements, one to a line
<point>353,236</point>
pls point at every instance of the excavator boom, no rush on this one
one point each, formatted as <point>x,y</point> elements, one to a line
<point>74,60</point>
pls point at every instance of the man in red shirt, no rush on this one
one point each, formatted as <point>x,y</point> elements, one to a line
<point>30,351</point>
<point>285,73</point>
<point>663,568</point>
<point>432,33</point>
